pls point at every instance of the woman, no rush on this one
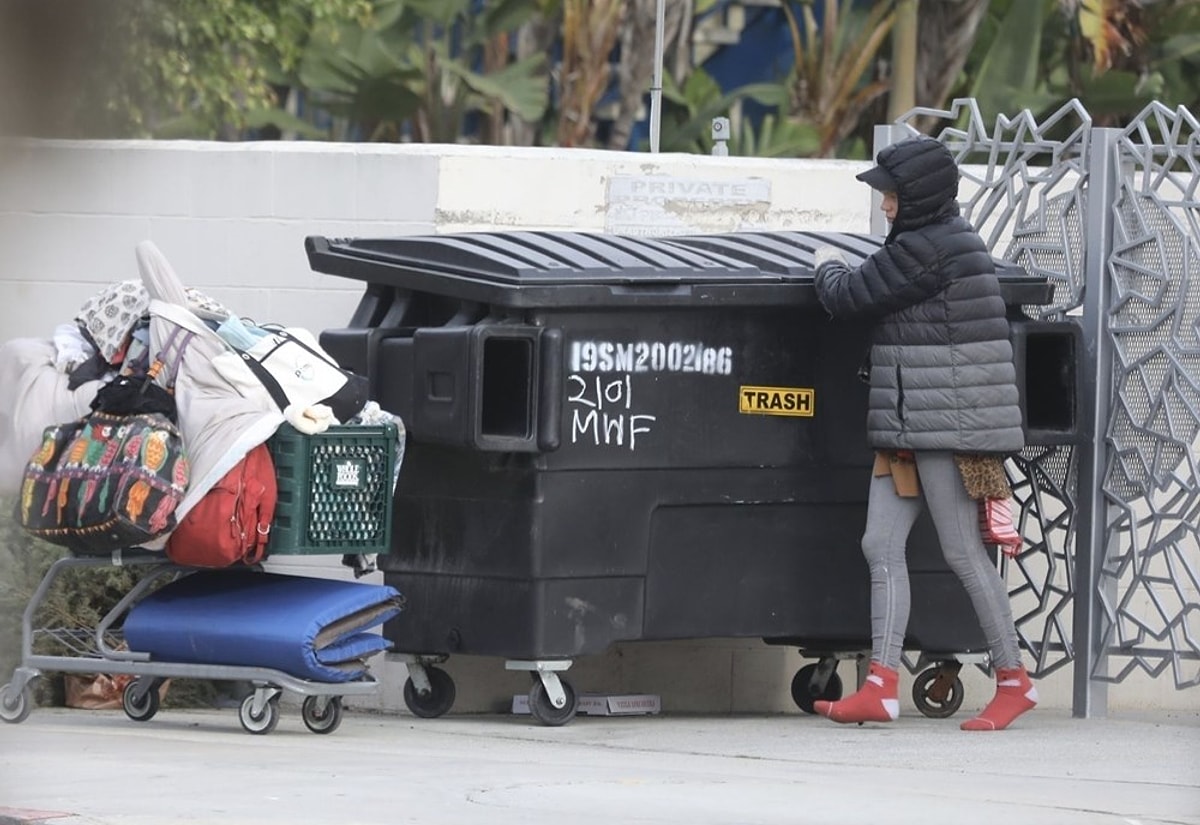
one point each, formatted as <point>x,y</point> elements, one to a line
<point>943,391</point>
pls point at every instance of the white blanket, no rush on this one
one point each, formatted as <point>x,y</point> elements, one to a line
<point>35,397</point>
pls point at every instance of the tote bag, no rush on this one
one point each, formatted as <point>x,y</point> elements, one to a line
<point>296,370</point>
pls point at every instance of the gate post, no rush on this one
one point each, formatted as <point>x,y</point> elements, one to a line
<point>1090,696</point>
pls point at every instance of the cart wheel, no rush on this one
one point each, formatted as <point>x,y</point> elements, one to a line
<point>144,711</point>
<point>265,721</point>
<point>322,717</point>
<point>543,709</point>
<point>439,698</point>
<point>804,689</point>
<point>15,704</point>
<point>937,699</point>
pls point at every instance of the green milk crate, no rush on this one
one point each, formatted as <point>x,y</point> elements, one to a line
<point>335,490</point>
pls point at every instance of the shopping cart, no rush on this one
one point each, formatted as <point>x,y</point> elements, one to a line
<point>335,497</point>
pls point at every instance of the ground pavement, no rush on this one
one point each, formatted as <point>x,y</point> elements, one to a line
<point>63,767</point>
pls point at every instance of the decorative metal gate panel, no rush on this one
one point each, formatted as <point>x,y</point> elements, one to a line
<point>1108,579</point>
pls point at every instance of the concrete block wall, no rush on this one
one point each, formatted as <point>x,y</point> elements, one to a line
<point>232,219</point>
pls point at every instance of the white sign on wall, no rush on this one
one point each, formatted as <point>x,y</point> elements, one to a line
<point>650,205</point>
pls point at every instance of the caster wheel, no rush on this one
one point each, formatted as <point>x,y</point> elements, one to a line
<point>265,721</point>
<point>937,698</point>
<point>143,710</point>
<point>15,704</point>
<point>321,716</point>
<point>804,689</point>
<point>543,709</point>
<point>439,698</point>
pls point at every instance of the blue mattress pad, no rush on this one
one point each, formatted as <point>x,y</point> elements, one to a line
<point>309,628</point>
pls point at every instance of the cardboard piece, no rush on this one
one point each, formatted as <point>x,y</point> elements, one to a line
<point>599,704</point>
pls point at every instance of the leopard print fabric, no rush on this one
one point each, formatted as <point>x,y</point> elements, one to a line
<point>983,475</point>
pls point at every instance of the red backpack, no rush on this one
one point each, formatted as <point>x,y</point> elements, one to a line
<point>231,524</point>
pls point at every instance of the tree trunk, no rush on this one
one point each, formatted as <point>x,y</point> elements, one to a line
<point>904,59</point>
<point>944,41</point>
<point>534,37</point>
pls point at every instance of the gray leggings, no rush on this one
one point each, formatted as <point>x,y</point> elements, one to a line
<point>955,516</point>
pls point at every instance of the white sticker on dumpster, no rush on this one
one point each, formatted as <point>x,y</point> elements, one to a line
<point>651,356</point>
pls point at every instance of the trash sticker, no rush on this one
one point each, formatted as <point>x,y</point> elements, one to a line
<point>794,401</point>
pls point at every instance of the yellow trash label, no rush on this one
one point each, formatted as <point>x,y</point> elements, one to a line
<point>776,401</point>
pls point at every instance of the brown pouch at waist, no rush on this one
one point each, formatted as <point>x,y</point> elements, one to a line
<point>902,467</point>
<point>983,475</point>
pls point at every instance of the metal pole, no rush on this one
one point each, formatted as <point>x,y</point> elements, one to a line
<point>656,87</point>
<point>1090,696</point>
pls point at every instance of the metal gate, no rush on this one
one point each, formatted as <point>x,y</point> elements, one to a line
<point>1109,581</point>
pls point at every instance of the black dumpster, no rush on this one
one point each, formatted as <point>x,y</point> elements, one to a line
<point>616,438</point>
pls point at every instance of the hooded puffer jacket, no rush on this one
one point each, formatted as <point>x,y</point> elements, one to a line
<point>942,375</point>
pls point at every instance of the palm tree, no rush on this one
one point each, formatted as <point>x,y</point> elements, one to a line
<point>833,81</point>
<point>946,33</point>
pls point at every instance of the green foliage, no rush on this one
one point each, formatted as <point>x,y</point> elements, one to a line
<point>1006,78</point>
<point>775,137</point>
<point>23,562</point>
<point>1030,55</point>
<point>423,64</point>
<point>194,68</point>
<point>688,113</point>
<point>831,80</point>
<point>1174,51</point>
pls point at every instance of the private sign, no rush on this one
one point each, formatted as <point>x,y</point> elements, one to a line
<point>775,401</point>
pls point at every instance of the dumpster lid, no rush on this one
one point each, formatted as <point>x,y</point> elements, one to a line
<point>533,258</point>
<point>791,253</point>
<point>561,268</point>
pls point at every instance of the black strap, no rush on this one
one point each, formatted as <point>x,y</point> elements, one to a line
<point>264,376</point>
<point>288,337</point>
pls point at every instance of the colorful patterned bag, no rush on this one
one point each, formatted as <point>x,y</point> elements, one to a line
<point>105,482</point>
<point>112,479</point>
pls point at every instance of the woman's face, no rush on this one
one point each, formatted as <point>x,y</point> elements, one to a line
<point>890,206</point>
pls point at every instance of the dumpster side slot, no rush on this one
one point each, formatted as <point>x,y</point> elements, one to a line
<point>506,400</point>
<point>476,386</point>
<point>1047,358</point>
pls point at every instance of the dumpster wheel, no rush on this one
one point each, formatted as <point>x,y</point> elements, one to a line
<point>434,702</point>
<point>806,688</point>
<point>938,691</point>
<point>543,709</point>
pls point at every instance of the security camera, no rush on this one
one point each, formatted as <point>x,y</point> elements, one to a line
<point>720,128</point>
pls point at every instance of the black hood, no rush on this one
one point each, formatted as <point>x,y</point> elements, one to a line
<point>925,177</point>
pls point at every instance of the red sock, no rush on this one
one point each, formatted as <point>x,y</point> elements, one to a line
<point>876,701</point>
<point>1015,694</point>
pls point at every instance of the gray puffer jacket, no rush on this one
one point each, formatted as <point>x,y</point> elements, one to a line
<point>942,375</point>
